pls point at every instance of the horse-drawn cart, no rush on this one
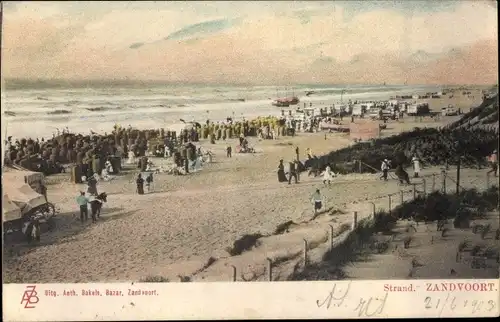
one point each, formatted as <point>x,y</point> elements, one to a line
<point>24,207</point>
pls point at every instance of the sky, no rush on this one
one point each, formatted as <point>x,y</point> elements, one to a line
<point>258,42</point>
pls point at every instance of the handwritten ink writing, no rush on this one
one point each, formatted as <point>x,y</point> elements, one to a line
<point>365,308</point>
<point>451,303</point>
<point>335,296</point>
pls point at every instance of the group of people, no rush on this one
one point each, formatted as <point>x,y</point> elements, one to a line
<point>295,167</point>
<point>140,181</point>
<point>400,172</point>
<point>293,172</point>
<point>92,199</point>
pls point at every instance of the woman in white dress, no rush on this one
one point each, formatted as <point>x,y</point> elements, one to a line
<point>149,165</point>
<point>105,174</point>
<point>131,157</point>
<point>327,175</point>
<point>416,166</point>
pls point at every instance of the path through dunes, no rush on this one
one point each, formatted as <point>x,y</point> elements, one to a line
<point>136,236</point>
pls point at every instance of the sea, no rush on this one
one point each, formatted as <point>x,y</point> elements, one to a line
<point>38,111</point>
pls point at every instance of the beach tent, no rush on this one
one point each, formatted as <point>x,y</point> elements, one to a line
<point>9,209</point>
<point>22,195</point>
<point>29,177</point>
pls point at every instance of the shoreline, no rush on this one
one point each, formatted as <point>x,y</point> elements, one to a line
<point>163,117</point>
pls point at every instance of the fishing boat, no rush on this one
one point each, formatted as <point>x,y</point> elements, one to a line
<point>286,101</point>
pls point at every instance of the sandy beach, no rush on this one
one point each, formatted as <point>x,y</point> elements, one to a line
<point>188,219</point>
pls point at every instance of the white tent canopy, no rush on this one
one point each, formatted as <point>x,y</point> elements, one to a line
<point>26,176</point>
<point>9,209</point>
<point>16,187</point>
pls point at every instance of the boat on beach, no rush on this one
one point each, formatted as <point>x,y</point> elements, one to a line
<point>286,101</point>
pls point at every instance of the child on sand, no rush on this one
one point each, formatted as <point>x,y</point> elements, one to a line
<point>317,200</point>
<point>327,176</point>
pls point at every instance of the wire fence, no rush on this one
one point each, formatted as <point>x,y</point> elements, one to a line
<point>267,269</point>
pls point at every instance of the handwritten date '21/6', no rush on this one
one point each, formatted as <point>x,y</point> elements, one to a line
<point>451,303</point>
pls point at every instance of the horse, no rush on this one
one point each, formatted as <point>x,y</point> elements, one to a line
<point>402,175</point>
<point>96,205</point>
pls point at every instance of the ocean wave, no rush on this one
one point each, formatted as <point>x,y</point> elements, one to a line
<point>161,105</point>
<point>97,109</point>
<point>59,112</point>
<point>72,102</point>
<point>103,108</point>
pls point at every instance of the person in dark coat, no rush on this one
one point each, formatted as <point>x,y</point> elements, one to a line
<point>292,173</point>
<point>92,185</point>
<point>281,172</point>
<point>140,184</point>
<point>149,182</point>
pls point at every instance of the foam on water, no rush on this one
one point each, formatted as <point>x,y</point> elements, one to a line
<point>39,112</point>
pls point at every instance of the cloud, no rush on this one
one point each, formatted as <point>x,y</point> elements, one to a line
<point>261,42</point>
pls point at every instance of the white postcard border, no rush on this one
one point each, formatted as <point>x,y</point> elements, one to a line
<point>256,300</point>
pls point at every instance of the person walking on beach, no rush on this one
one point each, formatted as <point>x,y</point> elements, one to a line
<point>140,184</point>
<point>281,172</point>
<point>92,185</point>
<point>82,201</point>
<point>229,149</point>
<point>493,161</point>
<point>149,182</point>
<point>416,166</point>
<point>292,172</point>
<point>309,153</point>
<point>317,200</point>
<point>327,176</point>
<point>385,169</point>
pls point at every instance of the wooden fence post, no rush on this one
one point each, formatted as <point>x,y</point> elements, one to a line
<point>402,196</point>
<point>433,182</point>
<point>305,253</point>
<point>234,273</point>
<point>331,237</point>
<point>354,220</point>
<point>443,181</point>
<point>270,269</point>
<point>414,191</point>
<point>424,184</point>
<point>390,204</point>
<point>374,210</point>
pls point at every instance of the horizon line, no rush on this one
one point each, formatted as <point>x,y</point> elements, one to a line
<point>107,81</point>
